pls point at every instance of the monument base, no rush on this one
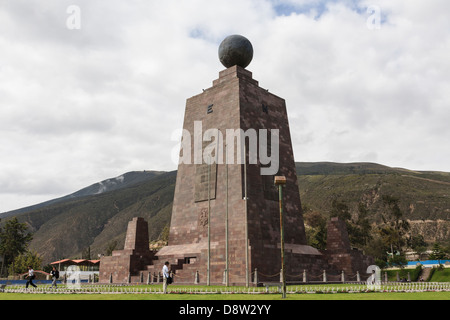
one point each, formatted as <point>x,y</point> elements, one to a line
<point>189,262</point>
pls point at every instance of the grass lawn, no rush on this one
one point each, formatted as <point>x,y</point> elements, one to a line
<point>230,297</point>
<point>441,276</point>
<point>227,297</point>
<point>403,273</point>
<point>173,304</point>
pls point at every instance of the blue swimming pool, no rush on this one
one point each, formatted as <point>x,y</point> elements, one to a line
<point>428,262</point>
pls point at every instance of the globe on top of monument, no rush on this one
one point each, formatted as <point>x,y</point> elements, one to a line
<point>236,50</point>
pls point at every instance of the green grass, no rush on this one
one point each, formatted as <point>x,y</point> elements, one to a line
<point>403,273</point>
<point>185,294</point>
<point>225,297</point>
<point>438,275</point>
<point>441,276</point>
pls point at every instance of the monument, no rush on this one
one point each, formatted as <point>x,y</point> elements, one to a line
<point>128,262</point>
<point>225,226</point>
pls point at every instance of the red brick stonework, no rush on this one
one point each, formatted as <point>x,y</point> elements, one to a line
<point>340,255</point>
<point>135,256</point>
<point>237,102</point>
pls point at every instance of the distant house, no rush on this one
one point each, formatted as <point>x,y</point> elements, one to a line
<point>83,264</point>
<point>86,268</point>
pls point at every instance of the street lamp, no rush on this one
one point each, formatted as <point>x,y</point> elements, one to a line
<point>280,181</point>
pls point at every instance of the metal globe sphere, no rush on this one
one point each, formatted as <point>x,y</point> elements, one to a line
<point>235,50</point>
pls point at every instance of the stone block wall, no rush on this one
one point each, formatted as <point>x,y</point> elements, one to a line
<point>135,256</point>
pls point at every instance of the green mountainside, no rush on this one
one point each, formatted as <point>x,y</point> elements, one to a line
<point>98,220</point>
<point>123,181</point>
<point>422,195</point>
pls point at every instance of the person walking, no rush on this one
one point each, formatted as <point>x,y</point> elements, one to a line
<point>55,277</point>
<point>166,275</point>
<point>31,277</point>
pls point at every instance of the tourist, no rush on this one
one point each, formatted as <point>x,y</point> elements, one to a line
<point>55,276</point>
<point>31,277</point>
<point>166,276</point>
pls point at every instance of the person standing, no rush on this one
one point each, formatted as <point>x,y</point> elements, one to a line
<point>55,276</point>
<point>166,275</point>
<point>31,277</point>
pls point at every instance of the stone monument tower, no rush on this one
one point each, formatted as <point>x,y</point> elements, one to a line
<point>225,217</point>
<point>225,226</point>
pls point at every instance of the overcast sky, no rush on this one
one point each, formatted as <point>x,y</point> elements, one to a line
<point>92,89</point>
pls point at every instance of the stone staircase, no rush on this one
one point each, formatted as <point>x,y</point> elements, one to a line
<point>425,274</point>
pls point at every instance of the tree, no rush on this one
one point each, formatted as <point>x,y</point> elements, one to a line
<point>418,244</point>
<point>437,253</point>
<point>358,227</point>
<point>398,261</point>
<point>377,249</point>
<point>86,254</point>
<point>447,248</point>
<point>360,230</point>
<point>164,236</point>
<point>340,209</point>
<point>111,247</point>
<point>14,240</point>
<point>22,261</point>
<point>417,241</point>
<point>316,229</point>
<point>394,227</point>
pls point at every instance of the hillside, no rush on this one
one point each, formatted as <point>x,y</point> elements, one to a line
<point>424,197</point>
<point>123,181</point>
<point>97,216</point>
<point>65,229</point>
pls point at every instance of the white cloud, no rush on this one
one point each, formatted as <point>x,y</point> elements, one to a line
<point>81,106</point>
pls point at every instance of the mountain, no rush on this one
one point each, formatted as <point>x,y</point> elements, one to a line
<point>112,184</point>
<point>423,196</point>
<point>333,168</point>
<point>97,216</point>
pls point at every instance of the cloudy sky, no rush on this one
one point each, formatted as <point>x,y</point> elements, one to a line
<point>92,89</point>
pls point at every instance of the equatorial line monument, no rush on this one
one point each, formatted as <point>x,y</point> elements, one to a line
<point>225,225</point>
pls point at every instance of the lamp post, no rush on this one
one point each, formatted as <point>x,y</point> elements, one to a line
<point>227,278</point>
<point>247,280</point>
<point>208,275</point>
<point>280,181</point>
